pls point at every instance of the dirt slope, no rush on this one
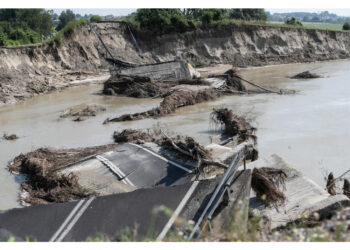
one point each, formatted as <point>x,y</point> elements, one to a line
<point>28,71</point>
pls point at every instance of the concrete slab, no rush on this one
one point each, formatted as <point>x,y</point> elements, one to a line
<point>109,216</point>
<point>303,195</point>
<point>142,168</point>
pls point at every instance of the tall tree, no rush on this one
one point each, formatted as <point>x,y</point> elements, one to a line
<point>65,17</point>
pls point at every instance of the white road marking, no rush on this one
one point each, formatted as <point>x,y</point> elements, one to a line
<point>163,158</point>
<point>115,169</point>
<point>177,211</point>
<point>72,213</point>
<point>75,219</point>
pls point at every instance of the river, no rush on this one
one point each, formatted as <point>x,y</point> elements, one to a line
<point>308,129</point>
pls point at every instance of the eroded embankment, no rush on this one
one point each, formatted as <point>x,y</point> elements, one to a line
<point>33,70</point>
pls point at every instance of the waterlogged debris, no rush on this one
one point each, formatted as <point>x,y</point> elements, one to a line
<point>82,112</point>
<point>45,184</point>
<point>10,137</point>
<point>170,103</point>
<point>305,75</point>
<point>135,86</point>
<point>233,125</point>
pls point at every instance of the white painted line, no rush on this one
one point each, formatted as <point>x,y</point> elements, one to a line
<point>163,158</point>
<point>115,169</point>
<point>53,238</point>
<point>75,219</point>
<point>177,211</point>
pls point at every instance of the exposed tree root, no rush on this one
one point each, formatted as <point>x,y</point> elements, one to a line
<point>266,183</point>
<point>233,125</point>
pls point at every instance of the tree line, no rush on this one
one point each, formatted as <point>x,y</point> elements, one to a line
<point>168,20</point>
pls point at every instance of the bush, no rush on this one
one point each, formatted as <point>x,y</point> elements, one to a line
<point>3,38</point>
<point>346,26</point>
<point>293,21</point>
<point>248,14</point>
<point>96,18</point>
<point>68,29</point>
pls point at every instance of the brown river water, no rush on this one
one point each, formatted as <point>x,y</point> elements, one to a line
<point>308,129</point>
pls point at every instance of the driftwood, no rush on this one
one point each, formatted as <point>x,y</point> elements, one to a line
<point>197,157</point>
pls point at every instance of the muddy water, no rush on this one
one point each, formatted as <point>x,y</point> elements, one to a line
<point>309,129</point>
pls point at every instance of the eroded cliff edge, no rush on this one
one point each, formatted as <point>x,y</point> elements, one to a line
<point>32,70</point>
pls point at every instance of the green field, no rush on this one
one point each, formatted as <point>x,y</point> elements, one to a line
<point>325,26</point>
<point>331,26</point>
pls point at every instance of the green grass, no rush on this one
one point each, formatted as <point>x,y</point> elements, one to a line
<point>316,26</point>
<point>68,29</point>
<point>327,26</point>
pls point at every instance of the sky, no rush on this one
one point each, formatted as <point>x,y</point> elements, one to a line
<point>126,11</point>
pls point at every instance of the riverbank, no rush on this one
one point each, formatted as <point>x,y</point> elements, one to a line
<point>32,70</point>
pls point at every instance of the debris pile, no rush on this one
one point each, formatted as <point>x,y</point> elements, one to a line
<point>11,137</point>
<point>233,125</point>
<point>133,136</point>
<point>233,81</point>
<point>81,112</point>
<point>135,86</point>
<point>44,183</point>
<point>266,183</point>
<point>305,75</point>
<point>170,103</point>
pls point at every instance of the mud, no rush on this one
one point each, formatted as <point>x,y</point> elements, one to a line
<point>266,183</point>
<point>11,137</point>
<point>175,100</point>
<point>82,112</point>
<point>305,75</point>
<point>44,184</point>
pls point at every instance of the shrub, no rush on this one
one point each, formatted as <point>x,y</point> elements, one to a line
<point>346,26</point>
<point>294,22</point>
<point>96,18</point>
<point>68,29</point>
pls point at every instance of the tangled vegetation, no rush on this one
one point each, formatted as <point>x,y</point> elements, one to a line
<point>294,22</point>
